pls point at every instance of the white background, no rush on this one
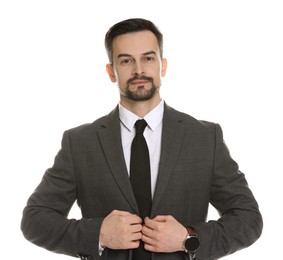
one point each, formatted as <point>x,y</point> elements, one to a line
<point>225,65</point>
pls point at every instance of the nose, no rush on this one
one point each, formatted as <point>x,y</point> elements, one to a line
<point>138,69</point>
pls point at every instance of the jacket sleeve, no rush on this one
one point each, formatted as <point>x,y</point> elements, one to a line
<point>240,223</point>
<point>45,222</point>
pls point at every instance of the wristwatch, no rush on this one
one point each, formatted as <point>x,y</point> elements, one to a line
<point>191,242</point>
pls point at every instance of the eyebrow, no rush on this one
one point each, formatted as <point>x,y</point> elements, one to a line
<point>144,54</point>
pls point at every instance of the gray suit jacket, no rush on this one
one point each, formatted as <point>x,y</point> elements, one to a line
<point>195,169</point>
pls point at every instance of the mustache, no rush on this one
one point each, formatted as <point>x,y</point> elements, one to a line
<point>139,78</point>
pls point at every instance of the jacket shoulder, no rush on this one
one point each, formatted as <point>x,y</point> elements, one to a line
<point>88,128</point>
<point>188,120</point>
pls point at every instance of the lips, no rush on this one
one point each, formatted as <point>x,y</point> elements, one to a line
<point>139,82</point>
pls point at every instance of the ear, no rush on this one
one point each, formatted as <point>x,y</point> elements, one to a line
<point>164,67</point>
<point>110,71</point>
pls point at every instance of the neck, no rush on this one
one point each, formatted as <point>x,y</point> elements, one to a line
<point>140,108</point>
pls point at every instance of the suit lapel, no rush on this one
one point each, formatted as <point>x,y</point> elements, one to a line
<point>110,137</point>
<point>172,137</point>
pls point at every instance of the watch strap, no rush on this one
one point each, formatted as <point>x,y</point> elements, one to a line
<point>192,232</point>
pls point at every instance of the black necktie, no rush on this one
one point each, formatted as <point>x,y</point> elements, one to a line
<point>140,179</point>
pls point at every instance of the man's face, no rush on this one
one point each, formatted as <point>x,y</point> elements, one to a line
<point>137,65</point>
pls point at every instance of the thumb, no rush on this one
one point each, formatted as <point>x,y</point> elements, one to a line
<point>120,212</point>
<point>161,218</point>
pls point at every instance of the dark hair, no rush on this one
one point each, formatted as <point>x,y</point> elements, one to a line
<point>128,26</point>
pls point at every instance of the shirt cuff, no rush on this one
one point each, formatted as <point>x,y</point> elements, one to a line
<point>100,249</point>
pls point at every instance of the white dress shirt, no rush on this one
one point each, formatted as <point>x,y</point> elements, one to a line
<point>152,134</point>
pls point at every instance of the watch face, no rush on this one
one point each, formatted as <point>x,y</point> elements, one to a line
<point>192,244</point>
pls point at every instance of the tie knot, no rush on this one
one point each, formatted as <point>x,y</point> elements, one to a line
<point>140,126</point>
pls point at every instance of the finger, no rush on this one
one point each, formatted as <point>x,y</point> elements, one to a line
<point>150,223</point>
<point>136,236</point>
<point>126,217</point>
<point>120,212</point>
<point>149,244</point>
<point>134,219</point>
<point>136,228</point>
<point>147,238</point>
<point>149,247</point>
<point>161,218</point>
<point>134,243</point>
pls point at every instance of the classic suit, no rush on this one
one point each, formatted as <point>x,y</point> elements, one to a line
<point>195,169</point>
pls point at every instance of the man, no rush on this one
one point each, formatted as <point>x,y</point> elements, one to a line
<point>189,167</point>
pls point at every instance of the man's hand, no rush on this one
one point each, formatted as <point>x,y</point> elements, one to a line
<point>121,230</point>
<point>163,234</point>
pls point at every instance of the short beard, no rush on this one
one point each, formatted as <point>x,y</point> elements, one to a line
<point>136,96</point>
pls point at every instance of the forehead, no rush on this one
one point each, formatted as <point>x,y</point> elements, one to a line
<point>135,43</point>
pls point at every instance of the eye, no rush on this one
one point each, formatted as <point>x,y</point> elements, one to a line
<point>126,61</point>
<point>148,59</point>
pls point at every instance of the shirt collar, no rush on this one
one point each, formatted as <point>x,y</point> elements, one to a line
<point>153,118</point>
